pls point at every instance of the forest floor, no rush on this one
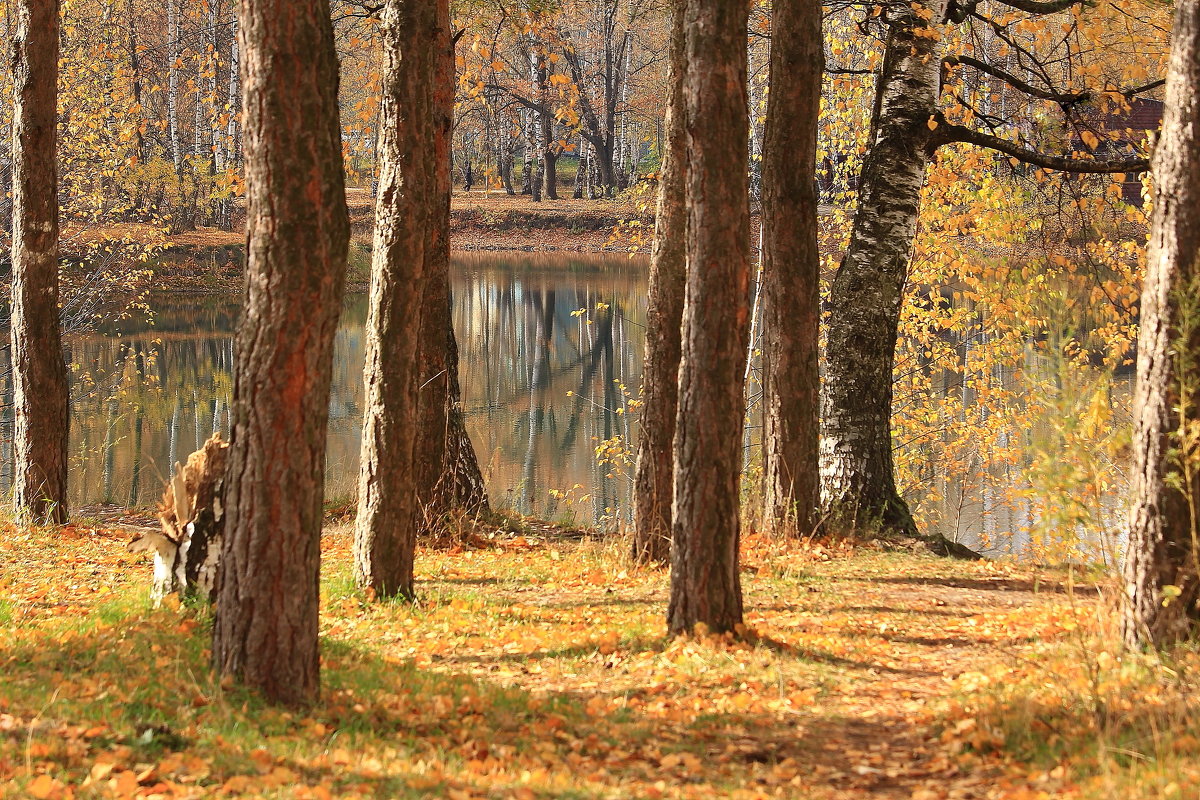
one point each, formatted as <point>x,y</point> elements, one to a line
<point>535,665</point>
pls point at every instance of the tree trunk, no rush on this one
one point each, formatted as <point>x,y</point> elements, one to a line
<point>653,476</point>
<point>530,150</point>
<point>235,101</point>
<point>265,628</point>
<point>231,139</point>
<point>1162,563</point>
<point>135,77</point>
<point>549,156</point>
<point>791,269</point>
<point>447,472</point>
<point>462,483</point>
<point>173,36</point>
<point>580,173</point>
<point>857,482</point>
<point>213,109</point>
<point>39,373</point>
<point>388,508</point>
<point>705,586</point>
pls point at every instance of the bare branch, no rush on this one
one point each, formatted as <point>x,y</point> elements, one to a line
<point>957,133</point>
<point>1041,6</point>
<point>1066,98</point>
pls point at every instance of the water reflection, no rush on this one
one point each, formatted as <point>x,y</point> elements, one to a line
<point>545,349</point>
<point>549,348</point>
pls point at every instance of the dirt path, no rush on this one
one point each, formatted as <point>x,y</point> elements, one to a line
<point>843,692</point>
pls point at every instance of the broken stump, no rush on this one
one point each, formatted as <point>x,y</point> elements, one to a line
<point>188,549</point>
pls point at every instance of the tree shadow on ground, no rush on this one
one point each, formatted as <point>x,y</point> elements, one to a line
<point>979,584</point>
<point>384,727</point>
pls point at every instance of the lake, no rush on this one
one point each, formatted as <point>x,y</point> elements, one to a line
<point>551,355</point>
<point>546,344</point>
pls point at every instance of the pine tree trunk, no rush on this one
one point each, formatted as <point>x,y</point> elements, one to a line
<point>858,486</point>
<point>653,476</point>
<point>447,474</point>
<point>388,507</point>
<point>265,628</point>
<point>1165,516</point>
<point>705,585</point>
<point>39,373</point>
<point>791,269</point>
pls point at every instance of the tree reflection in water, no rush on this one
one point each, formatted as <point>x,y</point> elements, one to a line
<point>540,385</point>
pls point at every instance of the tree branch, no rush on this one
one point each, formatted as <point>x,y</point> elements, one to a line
<point>1066,98</point>
<point>1041,6</point>
<point>958,133</point>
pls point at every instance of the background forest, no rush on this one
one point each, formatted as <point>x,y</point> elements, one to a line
<point>1014,363</point>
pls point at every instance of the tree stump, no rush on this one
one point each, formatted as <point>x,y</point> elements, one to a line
<point>188,549</point>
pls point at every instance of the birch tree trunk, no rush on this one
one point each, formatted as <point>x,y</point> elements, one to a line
<point>1162,562</point>
<point>173,37</point>
<point>212,107</point>
<point>388,507</point>
<point>549,153</point>
<point>530,149</point>
<point>39,373</point>
<point>229,143</point>
<point>791,269</point>
<point>654,473</point>
<point>857,482</point>
<point>265,628</point>
<point>705,585</point>
<point>235,102</point>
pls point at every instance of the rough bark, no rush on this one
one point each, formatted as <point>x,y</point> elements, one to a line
<point>265,628</point>
<point>39,373</point>
<point>135,75</point>
<point>653,476</point>
<point>705,586</point>
<point>388,508</point>
<point>858,486</point>
<point>447,474</point>
<point>1163,550</point>
<point>791,269</point>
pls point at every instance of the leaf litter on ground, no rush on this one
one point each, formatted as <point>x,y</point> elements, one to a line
<point>535,665</point>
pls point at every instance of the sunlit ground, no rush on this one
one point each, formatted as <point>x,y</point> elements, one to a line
<point>535,666</point>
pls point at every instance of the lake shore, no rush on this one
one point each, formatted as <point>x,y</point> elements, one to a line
<point>209,260</point>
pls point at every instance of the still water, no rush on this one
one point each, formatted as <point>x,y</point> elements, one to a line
<point>546,346</point>
<point>551,355</point>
